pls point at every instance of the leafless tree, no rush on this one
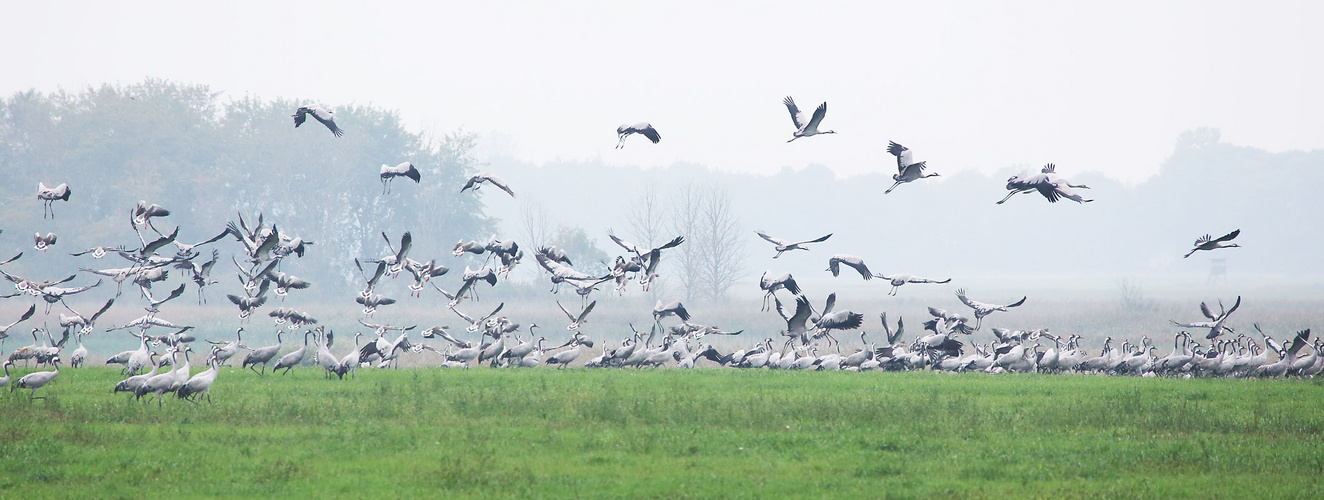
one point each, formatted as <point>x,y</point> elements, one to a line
<point>537,226</point>
<point>648,219</point>
<point>649,227</point>
<point>686,217</point>
<point>722,245</point>
<point>711,260</point>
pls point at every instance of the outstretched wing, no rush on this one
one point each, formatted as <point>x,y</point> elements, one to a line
<point>902,154</point>
<point>496,181</point>
<point>796,117</point>
<point>651,134</point>
<point>770,239</point>
<point>960,294</point>
<point>672,244</point>
<point>816,240</point>
<point>629,247</point>
<point>584,314</point>
<point>819,113</point>
<point>1228,236</point>
<point>327,119</point>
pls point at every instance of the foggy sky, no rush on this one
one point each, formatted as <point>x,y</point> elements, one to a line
<point>1090,86</point>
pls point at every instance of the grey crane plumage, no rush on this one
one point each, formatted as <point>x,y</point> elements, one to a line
<point>295,357</point>
<point>48,196</point>
<point>371,303</point>
<point>1207,243</point>
<point>647,259</point>
<point>423,273</point>
<point>674,308</point>
<point>84,323</point>
<point>796,327</point>
<point>97,251</point>
<point>786,246</point>
<point>142,214</point>
<point>806,125</point>
<point>769,285</point>
<point>1216,322</point>
<point>247,304</point>
<point>370,283</point>
<point>397,258</point>
<point>4,330</point>
<point>286,282</point>
<point>41,243</point>
<point>201,273</point>
<point>478,179</point>
<point>908,170</point>
<point>472,247</point>
<point>835,262</point>
<point>567,356</point>
<point>37,380</point>
<point>577,319</point>
<point>1046,183</point>
<point>325,116</point>
<point>560,273</point>
<point>981,309</point>
<point>899,279</point>
<point>200,385</point>
<point>154,304</point>
<point>11,259</point>
<point>642,128</point>
<point>389,173</point>
<point>844,319</point>
<point>187,250</point>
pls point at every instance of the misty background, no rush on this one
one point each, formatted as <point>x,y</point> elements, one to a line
<point>1185,118</point>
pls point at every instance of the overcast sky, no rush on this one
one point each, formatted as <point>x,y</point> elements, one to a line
<point>1090,86</point>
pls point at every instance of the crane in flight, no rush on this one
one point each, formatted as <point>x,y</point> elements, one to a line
<point>806,125</point>
<point>1207,243</point>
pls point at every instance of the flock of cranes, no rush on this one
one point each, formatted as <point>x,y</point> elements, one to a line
<point>809,340</point>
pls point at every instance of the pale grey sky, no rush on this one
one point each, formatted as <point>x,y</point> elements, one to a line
<point>1090,86</point>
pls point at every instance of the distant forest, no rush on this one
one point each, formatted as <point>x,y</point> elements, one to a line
<point>208,160</point>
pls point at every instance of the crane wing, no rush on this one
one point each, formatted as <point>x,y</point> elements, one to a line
<point>902,154</point>
<point>816,240</point>
<point>819,113</point>
<point>327,119</point>
<point>584,314</point>
<point>1228,236</point>
<point>770,239</point>
<point>797,117</point>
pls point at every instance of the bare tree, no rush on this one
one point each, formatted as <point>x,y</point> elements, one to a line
<point>722,246</point>
<point>648,227</point>
<point>648,218</point>
<point>711,260</point>
<point>537,226</point>
<point>686,217</point>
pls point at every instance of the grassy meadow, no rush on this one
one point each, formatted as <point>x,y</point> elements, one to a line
<point>668,433</point>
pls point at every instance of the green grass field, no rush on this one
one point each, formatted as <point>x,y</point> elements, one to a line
<point>669,433</point>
